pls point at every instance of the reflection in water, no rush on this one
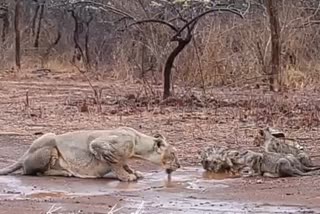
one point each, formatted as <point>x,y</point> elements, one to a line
<point>126,185</point>
<point>177,182</point>
<point>45,187</point>
<point>173,184</point>
<point>218,176</point>
<point>154,189</point>
<point>44,195</point>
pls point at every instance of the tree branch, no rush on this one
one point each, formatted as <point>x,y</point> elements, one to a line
<point>155,21</point>
<point>197,18</point>
<point>100,6</point>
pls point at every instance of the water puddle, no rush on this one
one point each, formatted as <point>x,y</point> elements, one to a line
<point>46,195</point>
<point>188,191</point>
<point>218,176</point>
<point>40,187</point>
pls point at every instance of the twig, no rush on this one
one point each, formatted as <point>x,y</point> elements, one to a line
<point>113,209</point>
<point>139,210</point>
<point>155,21</point>
<point>196,19</point>
<point>97,93</point>
<point>95,5</point>
<point>200,67</point>
<point>53,209</point>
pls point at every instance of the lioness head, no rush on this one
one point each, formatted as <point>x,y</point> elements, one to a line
<point>166,153</point>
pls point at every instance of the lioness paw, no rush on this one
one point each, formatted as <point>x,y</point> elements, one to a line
<point>138,174</point>
<point>128,178</point>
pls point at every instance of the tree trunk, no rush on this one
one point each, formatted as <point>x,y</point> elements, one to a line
<point>17,33</point>
<point>169,64</point>
<point>78,52</point>
<point>5,22</point>
<point>36,41</point>
<point>275,77</point>
<point>34,20</point>
<point>86,46</point>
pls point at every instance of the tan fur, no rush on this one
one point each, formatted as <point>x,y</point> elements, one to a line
<point>273,144</point>
<point>94,153</point>
<point>218,159</point>
<point>272,164</point>
<point>259,139</point>
<point>250,163</point>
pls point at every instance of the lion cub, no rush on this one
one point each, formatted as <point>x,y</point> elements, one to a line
<point>219,159</point>
<point>250,163</point>
<point>271,164</point>
<point>274,144</point>
<point>260,140</point>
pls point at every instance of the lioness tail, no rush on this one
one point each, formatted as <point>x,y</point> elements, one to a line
<point>11,168</point>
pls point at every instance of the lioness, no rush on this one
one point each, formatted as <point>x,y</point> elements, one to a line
<point>274,144</point>
<point>94,153</point>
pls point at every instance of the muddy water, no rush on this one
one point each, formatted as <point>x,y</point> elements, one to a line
<point>190,190</point>
<point>28,186</point>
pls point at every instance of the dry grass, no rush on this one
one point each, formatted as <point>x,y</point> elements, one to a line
<point>225,51</point>
<point>53,209</point>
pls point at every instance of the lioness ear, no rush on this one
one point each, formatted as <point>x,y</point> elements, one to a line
<point>160,136</point>
<point>158,144</point>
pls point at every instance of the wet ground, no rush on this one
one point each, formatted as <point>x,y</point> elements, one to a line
<point>55,106</point>
<point>191,190</point>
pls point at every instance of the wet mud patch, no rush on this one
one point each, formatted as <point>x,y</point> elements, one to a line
<point>191,190</point>
<point>200,206</point>
<point>45,187</point>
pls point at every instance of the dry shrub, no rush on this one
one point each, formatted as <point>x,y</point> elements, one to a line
<point>294,79</point>
<point>121,68</point>
<point>226,51</point>
<point>232,52</point>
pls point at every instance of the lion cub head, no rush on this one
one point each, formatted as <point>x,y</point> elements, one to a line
<point>217,159</point>
<point>166,153</point>
<point>265,134</point>
<point>269,136</point>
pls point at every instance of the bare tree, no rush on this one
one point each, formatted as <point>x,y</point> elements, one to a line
<point>17,33</point>
<point>182,21</point>
<point>82,22</point>
<point>275,77</point>
<point>4,16</point>
<point>40,10</point>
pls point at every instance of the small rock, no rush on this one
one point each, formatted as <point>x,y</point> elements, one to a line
<point>259,181</point>
<point>113,111</point>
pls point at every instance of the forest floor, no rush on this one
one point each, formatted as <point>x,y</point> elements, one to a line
<point>38,102</point>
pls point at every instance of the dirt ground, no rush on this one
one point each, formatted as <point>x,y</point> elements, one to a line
<point>41,102</point>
